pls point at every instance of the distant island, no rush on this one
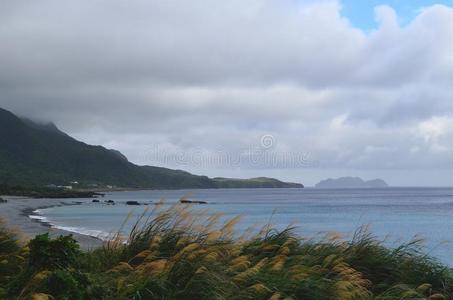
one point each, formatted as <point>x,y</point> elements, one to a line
<point>351,182</point>
<point>41,160</point>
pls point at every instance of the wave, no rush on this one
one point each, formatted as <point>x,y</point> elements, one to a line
<point>102,235</point>
<point>40,218</point>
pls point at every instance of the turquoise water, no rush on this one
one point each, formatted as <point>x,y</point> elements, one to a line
<point>397,214</point>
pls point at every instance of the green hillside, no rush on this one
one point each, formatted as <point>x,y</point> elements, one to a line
<point>35,154</point>
<point>259,182</point>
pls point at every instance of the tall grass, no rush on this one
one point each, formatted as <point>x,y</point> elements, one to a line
<point>178,253</point>
<point>11,257</point>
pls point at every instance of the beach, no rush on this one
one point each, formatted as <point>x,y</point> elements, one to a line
<point>394,214</point>
<point>15,213</point>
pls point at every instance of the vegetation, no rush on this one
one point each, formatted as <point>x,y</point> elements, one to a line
<point>38,155</point>
<point>45,192</point>
<point>179,254</point>
<point>259,182</point>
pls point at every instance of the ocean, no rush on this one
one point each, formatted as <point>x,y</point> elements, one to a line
<point>396,215</point>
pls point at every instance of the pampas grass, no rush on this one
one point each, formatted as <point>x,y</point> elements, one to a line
<point>177,253</point>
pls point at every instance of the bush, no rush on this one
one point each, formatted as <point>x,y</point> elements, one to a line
<point>71,285</point>
<point>11,258</point>
<point>49,254</point>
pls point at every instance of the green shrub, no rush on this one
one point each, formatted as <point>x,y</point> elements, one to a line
<point>71,285</point>
<point>11,258</point>
<point>50,254</point>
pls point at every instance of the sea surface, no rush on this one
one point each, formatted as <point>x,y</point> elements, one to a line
<point>394,214</point>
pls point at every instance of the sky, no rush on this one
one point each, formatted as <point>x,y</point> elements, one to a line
<point>300,90</point>
<point>361,13</point>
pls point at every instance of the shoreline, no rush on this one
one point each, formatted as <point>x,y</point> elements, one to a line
<point>16,215</point>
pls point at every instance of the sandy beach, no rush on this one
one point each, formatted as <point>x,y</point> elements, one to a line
<point>16,213</point>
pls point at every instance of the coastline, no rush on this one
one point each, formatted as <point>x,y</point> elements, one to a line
<point>15,213</point>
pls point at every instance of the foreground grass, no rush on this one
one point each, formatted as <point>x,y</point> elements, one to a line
<point>180,254</point>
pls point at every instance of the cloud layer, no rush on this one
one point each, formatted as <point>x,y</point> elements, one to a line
<point>214,77</point>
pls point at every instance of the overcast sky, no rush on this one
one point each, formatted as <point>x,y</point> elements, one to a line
<point>299,90</point>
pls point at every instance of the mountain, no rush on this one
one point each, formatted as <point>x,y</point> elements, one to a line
<point>259,182</point>
<point>40,154</point>
<point>351,182</point>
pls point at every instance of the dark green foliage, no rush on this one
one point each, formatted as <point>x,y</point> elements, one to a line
<point>55,267</point>
<point>44,192</point>
<point>49,254</point>
<point>259,182</point>
<point>8,241</point>
<point>11,258</point>
<point>71,285</point>
<point>406,263</point>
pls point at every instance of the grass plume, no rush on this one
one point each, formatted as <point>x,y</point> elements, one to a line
<point>177,253</point>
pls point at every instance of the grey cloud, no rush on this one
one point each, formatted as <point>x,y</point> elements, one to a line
<point>216,76</point>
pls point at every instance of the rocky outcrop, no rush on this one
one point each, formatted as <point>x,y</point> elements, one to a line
<point>351,182</point>
<point>185,201</point>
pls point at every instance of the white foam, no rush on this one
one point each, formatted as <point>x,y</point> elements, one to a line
<point>84,231</point>
<point>40,218</point>
<point>38,215</point>
<point>80,230</point>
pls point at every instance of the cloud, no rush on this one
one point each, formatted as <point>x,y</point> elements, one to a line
<point>216,76</point>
